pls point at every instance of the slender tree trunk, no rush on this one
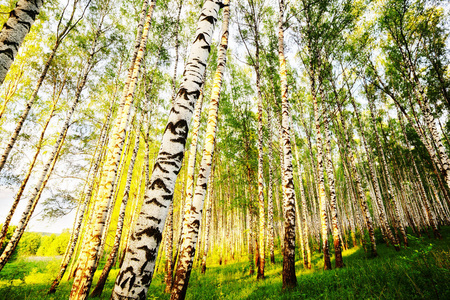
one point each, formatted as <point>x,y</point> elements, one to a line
<point>11,89</point>
<point>262,219</point>
<point>320,174</point>
<point>269,191</point>
<point>33,201</point>
<point>288,274</point>
<point>113,254</point>
<point>14,31</point>
<point>307,259</point>
<point>339,263</point>
<point>392,198</point>
<point>27,177</point>
<point>209,205</point>
<point>359,189</point>
<point>137,271</point>
<point>177,46</point>
<point>168,277</point>
<point>378,199</point>
<point>422,192</point>
<point>71,248</point>
<point>194,217</point>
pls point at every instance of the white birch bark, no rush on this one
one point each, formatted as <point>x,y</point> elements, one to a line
<point>188,245</point>
<point>14,31</point>
<point>137,270</point>
<point>288,274</point>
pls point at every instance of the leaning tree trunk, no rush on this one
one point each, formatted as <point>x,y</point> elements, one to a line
<point>194,217</point>
<point>392,198</point>
<point>14,31</point>
<point>288,275</point>
<point>191,165</point>
<point>88,257</point>
<point>422,192</point>
<point>113,254</point>
<point>60,36</point>
<point>27,177</point>
<point>71,248</point>
<point>32,203</point>
<point>136,273</point>
<point>378,199</point>
<point>361,195</point>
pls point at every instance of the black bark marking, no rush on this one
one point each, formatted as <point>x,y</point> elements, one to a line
<point>200,37</point>
<point>158,165</point>
<point>156,202</point>
<point>156,220</point>
<point>142,295</point>
<point>146,279</point>
<point>150,254</point>
<point>150,232</point>
<point>210,19</point>
<point>8,52</point>
<point>31,13</point>
<point>167,197</point>
<point>159,184</point>
<point>127,270</point>
<point>196,223</point>
<point>179,128</point>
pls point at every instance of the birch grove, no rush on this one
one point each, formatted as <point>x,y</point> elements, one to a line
<point>324,142</point>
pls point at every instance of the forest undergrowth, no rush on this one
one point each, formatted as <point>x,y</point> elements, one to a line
<point>421,271</point>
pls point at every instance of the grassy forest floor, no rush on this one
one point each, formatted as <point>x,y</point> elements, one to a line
<point>420,272</point>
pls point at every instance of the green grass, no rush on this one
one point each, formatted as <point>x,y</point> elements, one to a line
<point>420,272</point>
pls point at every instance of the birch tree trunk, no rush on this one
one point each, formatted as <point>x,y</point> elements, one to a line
<point>422,192</point>
<point>361,195</point>
<point>320,173</point>
<point>339,263</point>
<point>14,31</point>
<point>168,277</point>
<point>209,205</point>
<point>71,248</point>
<point>392,198</point>
<point>24,182</point>
<point>270,191</point>
<point>194,217</point>
<point>288,274</point>
<point>378,199</point>
<point>137,270</point>
<point>113,254</point>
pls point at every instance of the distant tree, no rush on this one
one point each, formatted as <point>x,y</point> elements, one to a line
<point>29,244</point>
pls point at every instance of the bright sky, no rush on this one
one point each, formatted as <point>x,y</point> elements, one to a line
<point>35,224</point>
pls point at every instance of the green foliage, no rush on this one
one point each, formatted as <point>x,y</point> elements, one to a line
<point>29,244</point>
<point>54,245</point>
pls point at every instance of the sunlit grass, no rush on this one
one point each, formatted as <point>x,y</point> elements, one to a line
<point>419,272</point>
